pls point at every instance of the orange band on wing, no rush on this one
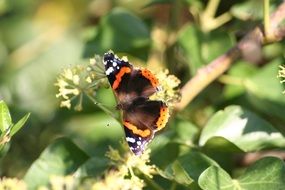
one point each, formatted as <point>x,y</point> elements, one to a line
<point>147,74</point>
<point>163,118</point>
<point>119,76</point>
<point>135,130</point>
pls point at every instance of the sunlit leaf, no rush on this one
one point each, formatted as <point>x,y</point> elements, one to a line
<point>267,173</point>
<point>243,128</point>
<point>5,118</point>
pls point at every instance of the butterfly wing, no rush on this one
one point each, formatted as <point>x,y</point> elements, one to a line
<point>126,81</point>
<point>142,121</point>
<point>141,117</point>
<point>137,136</point>
<point>116,70</point>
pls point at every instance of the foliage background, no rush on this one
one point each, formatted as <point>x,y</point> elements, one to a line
<point>40,38</point>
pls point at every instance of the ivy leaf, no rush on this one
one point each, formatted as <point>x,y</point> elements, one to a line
<point>248,10</point>
<point>5,117</point>
<point>187,168</point>
<point>244,129</point>
<point>270,101</point>
<point>15,128</point>
<point>267,173</point>
<point>62,157</point>
<point>240,71</point>
<point>190,40</point>
<point>199,46</point>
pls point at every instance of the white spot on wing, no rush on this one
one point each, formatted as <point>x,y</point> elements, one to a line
<point>114,64</point>
<point>109,70</point>
<point>130,139</point>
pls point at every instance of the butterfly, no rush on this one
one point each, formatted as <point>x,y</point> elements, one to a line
<point>142,117</point>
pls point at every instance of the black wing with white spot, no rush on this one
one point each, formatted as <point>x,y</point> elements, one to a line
<point>136,142</point>
<point>113,66</point>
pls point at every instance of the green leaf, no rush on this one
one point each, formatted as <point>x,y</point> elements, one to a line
<point>15,128</point>
<point>265,91</point>
<point>216,178</point>
<point>93,129</point>
<point>237,74</point>
<point>177,173</point>
<point>221,144</point>
<point>169,150</point>
<point>186,132</point>
<point>190,40</point>
<point>62,157</point>
<point>243,128</point>
<point>215,44</point>
<point>5,117</point>
<point>120,31</point>
<point>187,168</point>
<point>248,10</point>
<point>199,46</point>
<point>267,173</point>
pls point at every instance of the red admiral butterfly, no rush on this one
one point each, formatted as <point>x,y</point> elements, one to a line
<point>142,117</point>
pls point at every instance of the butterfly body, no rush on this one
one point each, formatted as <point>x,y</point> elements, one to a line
<point>142,117</point>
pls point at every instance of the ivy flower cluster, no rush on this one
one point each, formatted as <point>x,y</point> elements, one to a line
<point>12,183</point>
<point>124,173</point>
<point>78,80</point>
<point>169,91</point>
<point>281,74</point>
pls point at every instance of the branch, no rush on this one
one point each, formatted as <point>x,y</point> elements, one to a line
<point>251,157</point>
<point>217,67</point>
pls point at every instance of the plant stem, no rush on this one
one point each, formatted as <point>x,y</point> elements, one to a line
<point>104,108</point>
<point>211,8</point>
<point>266,19</point>
<point>208,19</point>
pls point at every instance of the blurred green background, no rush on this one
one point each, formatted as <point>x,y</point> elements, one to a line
<point>40,38</point>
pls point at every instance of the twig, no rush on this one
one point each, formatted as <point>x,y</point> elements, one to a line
<point>208,18</point>
<point>217,67</point>
<point>249,158</point>
<point>266,18</point>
